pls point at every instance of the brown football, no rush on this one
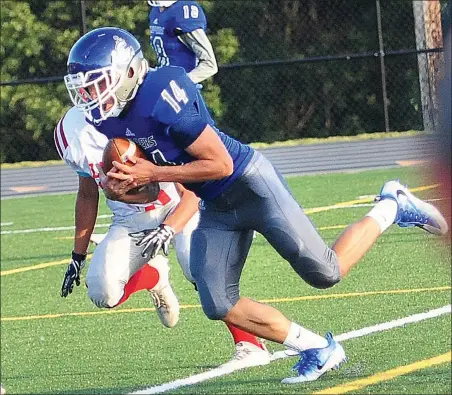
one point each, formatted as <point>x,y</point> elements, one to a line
<point>120,150</point>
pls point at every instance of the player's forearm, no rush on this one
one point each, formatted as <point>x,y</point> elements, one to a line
<point>184,211</point>
<point>199,43</point>
<point>196,171</point>
<point>204,70</point>
<point>86,208</point>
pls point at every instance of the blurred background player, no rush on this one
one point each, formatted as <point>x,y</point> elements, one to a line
<point>110,278</point>
<point>178,36</point>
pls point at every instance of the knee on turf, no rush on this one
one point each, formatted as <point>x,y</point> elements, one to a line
<point>104,297</point>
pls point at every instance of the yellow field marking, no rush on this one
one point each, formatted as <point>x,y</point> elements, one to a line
<point>405,163</point>
<point>362,200</point>
<point>387,375</point>
<point>308,211</point>
<point>278,300</point>
<point>29,189</point>
<point>332,227</point>
<point>39,266</point>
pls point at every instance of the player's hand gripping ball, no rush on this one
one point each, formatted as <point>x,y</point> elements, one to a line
<point>120,150</point>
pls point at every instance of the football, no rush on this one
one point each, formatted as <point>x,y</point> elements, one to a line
<point>120,150</point>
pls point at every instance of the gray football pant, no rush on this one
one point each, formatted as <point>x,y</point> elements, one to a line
<point>259,200</point>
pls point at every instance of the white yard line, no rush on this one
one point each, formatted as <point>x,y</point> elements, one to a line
<point>57,229</point>
<point>6,223</point>
<point>21,231</point>
<point>219,371</point>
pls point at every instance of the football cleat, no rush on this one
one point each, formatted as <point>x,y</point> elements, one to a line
<point>163,296</point>
<point>316,361</point>
<point>413,211</point>
<point>247,355</point>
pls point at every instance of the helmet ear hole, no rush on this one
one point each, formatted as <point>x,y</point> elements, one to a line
<point>131,72</point>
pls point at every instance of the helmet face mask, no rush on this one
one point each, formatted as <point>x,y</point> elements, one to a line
<point>81,87</point>
<point>106,67</point>
<point>161,3</point>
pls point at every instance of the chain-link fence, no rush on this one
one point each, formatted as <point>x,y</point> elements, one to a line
<point>288,69</point>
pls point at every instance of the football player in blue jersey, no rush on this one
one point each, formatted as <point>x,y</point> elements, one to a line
<point>178,36</point>
<point>240,190</point>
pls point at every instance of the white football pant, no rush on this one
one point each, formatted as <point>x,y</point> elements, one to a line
<point>116,259</point>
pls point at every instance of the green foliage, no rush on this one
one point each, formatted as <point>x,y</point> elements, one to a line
<point>275,102</point>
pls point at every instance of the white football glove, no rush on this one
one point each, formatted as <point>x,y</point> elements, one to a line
<point>154,240</point>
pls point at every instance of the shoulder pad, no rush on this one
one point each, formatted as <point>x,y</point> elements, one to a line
<point>152,90</point>
<point>76,140</point>
<point>68,128</point>
<point>189,16</point>
<point>179,93</point>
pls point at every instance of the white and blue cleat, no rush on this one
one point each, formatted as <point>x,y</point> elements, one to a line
<point>413,211</point>
<point>314,362</point>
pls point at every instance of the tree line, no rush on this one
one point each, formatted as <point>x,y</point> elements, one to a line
<point>273,83</point>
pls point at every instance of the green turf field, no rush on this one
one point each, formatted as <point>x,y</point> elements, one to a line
<point>55,345</point>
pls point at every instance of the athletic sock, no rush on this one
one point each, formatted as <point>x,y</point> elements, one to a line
<point>384,213</point>
<point>301,339</point>
<point>145,278</point>
<point>240,335</point>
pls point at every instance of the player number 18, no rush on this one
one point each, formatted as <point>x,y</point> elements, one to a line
<point>191,11</point>
<point>178,96</point>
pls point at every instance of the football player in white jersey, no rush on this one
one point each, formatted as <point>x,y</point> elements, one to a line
<point>117,267</point>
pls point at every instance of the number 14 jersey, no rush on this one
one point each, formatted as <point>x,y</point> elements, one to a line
<point>166,116</point>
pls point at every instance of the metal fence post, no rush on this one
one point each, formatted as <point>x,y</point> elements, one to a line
<point>382,66</point>
<point>83,28</point>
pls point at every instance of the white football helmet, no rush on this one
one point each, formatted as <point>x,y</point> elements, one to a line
<point>161,3</point>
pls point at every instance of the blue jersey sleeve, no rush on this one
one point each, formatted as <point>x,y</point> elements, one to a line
<point>189,16</point>
<point>189,126</point>
<point>178,95</point>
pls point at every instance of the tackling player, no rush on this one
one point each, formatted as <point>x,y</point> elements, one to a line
<point>110,278</point>
<point>240,190</point>
<point>117,267</point>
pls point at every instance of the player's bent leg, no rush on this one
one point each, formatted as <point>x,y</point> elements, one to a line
<point>273,212</point>
<point>217,257</point>
<point>220,293</point>
<point>117,270</point>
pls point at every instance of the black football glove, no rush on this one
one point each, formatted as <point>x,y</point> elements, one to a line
<point>73,273</point>
<point>154,240</point>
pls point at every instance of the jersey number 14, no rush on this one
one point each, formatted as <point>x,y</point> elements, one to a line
<point>177,95</point>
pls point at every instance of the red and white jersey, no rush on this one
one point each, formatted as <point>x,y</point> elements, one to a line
<point>81,146</point>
